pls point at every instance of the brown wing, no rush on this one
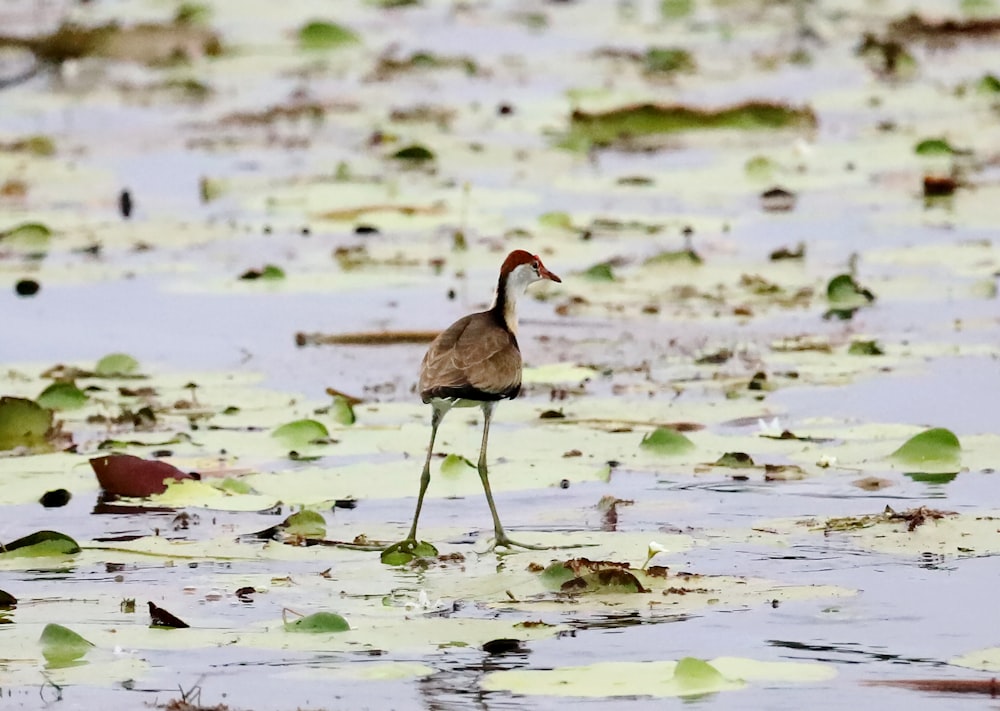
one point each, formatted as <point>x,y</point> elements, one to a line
<point>475,359</point>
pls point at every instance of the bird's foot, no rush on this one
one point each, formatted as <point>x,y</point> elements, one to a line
<point>406,550</point>
<point>502,540</point>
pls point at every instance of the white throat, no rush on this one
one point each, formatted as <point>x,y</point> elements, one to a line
<point>517,282</point>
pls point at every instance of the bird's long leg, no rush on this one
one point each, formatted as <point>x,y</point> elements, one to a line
<point>500,537</point>
<point>409,547</point>
<point>425,477</point>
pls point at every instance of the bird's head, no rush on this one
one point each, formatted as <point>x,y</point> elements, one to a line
<point>522,268</point>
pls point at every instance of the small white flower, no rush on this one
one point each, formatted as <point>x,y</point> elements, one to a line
<point>826,461</point>
<point>772,427</point>
<point>655,548</point>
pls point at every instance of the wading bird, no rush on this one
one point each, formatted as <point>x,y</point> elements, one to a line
<point>476,363</point>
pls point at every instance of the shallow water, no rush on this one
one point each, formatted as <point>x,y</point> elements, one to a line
<point>179,309</point>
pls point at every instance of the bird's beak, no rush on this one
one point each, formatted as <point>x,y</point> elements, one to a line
<point>546,274</point>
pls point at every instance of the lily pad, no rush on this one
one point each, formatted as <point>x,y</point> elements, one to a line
<point>664,441</point>
<point>28,236</point>
<point>62,396</point>
<point>128,475</point>
<point>325,35</point>
<point>318,623</point>
<point>843,292</point>
<point>735,460</point>
<point>599,272</point>
<point>116,365</point>
<point>456,465</point>
<point>23,423</point>
<point>61,645</point>
<point>305,524</point>
<point>342,411</point>
<point>414,154</point>
<point>934,451</point>
<point>934,147</point>
<point>607,128</point>
<point>301,433</point>
<point>39,545</point>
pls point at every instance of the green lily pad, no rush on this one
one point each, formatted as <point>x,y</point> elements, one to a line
<point>456,465</point>
<point>988,84</point>
<point>556,220</point>
<point>414,154</point>
<point>735,460</point>
<point>668,60</point>
<point>843,292</point>
<point>599,272</point>
<point>62,396</point>
<point>934,147</point>
<point>695,677</point>
<point>305,524</point>
<point>301,433</point>
<point>605,128</point>
<point>664,441</point>
<point>933,451</point>
<point>40,544</point>
<point>23,423</point>
<point>609,581</point>
<point>318,623</point>
<point>865,348</point>
<point>61,645</point>
<point>28,236</point>
<point>117,365</point>
<point>342,411</point>
<point>326,35</point>
<point>403,552</point>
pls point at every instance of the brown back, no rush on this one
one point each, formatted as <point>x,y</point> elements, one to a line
<point>477,358</point>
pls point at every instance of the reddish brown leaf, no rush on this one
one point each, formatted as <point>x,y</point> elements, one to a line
<point>163,618</point>
<point>127,475</point>
<point>946,686</point>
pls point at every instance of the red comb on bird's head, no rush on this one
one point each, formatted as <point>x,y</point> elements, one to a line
<point>519,257</point>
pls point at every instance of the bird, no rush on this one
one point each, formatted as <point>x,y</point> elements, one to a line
<point>476,362</point>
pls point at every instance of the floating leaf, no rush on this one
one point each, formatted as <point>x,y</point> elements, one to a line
<point>305,524</point>
<point>39,545</point>
<point>62,396</point>
<point>318,623</point>
<point>414,154</point>
<point>7,601</point>
<point>23,423</point>
<point>556,220</point>
<point>342,411</point>
<point>28,236</point>
<point>667,60</point>
<point>865,348</point>
<point>117,365</point>
<point>557,574</point>
<point>696,677</point>
<point>301,433</point>
<point>456,465</point>
<point>325,35</point>
<point>666,442</point>
<point>933,147</point>
<point>680,257</point>
<point>164,618</point>
<point>403,552</point>
<point>61,645</point>
<point>989,84</point>
<point>630,122</point>
<point>599,272</point>
<point>934,451</point>
<point>609,581</point>
<point>843,292</point>
<point>128,475</point>
<point>735,460</point>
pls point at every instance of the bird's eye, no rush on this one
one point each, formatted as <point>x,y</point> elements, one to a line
<point>534,265</point>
